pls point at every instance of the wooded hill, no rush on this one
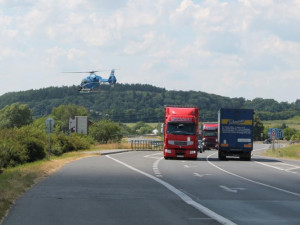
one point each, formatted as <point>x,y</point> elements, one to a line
<point>141,102</point>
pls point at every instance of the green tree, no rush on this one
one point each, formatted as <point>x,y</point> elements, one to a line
<point>62,113</point>
<point>258,128</point>
<point>105,131</point>
<point>296,136</point>
<point>15,115</point>
<point>139,102</point>
<point>288,133</point>
<point>142,128</point>
<point>283,126</point>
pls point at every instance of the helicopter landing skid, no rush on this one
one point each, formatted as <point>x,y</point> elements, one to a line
<point>84,90</point>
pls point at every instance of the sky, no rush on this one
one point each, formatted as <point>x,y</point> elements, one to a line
<point>232,48</point>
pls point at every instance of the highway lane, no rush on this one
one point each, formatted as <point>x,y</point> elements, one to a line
<point>142,187</point>
<point>262,191</point>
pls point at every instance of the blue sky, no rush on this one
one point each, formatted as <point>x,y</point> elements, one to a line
<point>234,48</point>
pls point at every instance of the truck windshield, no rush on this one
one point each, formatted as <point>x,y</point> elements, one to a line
<point>181,128</point>
<point>210,134</point>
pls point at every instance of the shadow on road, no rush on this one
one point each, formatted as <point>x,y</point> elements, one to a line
<point>266,160</point>
<point>238,159</point>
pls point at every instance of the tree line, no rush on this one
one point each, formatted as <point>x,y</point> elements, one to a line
<point>140,102</point>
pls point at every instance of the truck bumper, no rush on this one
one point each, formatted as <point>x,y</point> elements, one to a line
<point>244,154</point>
<point>183,153</point>
<point>209,145</point>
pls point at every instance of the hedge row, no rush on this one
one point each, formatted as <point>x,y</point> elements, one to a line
<point>29,143</point>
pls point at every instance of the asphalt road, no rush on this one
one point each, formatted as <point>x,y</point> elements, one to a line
<point>143,188</point>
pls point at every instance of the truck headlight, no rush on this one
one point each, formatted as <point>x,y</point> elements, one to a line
<point>192,152</point>
<point>168,151</point>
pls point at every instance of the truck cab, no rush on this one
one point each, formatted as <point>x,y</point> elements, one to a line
<point>181,132</point>
<point>209,134</point>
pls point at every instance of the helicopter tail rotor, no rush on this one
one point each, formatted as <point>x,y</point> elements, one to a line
<point>112,78</point>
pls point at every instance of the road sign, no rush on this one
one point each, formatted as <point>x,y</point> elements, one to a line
<point>275,133</point>
<point>49,125</point>
<point>279,133</point>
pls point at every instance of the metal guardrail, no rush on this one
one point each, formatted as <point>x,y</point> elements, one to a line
<point>146,145</point>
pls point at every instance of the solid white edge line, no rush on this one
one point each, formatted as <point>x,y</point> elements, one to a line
<point>180,194</point>
<point>264,164</point>
<point>278,168</point>
<point>253,181</point>
<point>287,170</point>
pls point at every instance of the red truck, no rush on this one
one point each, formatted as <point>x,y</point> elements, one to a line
<point>209,134</point>
<point>181,127</point>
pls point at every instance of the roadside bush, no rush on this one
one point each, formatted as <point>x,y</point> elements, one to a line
<point>60,143</point>
<point>34,140</point>
<point>106,131</point>
<point>296,136</point>
<point>142,128</point>
<point>289,132</point>
<point>80,141</point>
<point>30,143</point>
<point>12,154</point>
<point>21,145</point>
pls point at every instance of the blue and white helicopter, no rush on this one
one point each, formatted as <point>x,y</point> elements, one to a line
<point>92,82</point>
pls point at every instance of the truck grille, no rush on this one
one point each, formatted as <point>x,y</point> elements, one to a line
<point>181,143</point>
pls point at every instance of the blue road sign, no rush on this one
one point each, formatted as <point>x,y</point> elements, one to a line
<point>275,133</point>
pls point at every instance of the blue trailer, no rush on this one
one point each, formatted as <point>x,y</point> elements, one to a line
<point>235,134</point>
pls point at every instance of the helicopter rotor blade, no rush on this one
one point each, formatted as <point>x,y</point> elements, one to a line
<point>82,72</point>
<point>93,71</point>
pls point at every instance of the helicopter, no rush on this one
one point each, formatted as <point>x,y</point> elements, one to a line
<point>92,82</point>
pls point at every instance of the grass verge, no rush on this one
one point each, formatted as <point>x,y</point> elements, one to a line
<point>290,152</point>
<point>121,145</point>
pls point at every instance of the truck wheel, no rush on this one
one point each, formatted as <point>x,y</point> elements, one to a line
<point>221,156</point>
<point>246,156</point>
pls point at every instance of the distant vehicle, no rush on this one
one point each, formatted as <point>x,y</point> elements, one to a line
<point>200,146</point>
<point>92,82</point>
<point>267,141</point>
<point>235,133</point>
<point>209,134</point>
<point>181,132</point>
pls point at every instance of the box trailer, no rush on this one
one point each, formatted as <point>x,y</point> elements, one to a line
<point>235,134</point>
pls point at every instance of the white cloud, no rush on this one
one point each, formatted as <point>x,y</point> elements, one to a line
<point>240,48</point>
<point>136,47</point>
<point>8,53</point>
<point>5,20</point>
<point>57,55</point>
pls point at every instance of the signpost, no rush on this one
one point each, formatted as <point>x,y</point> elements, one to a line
<point>274,133</point>
<point>49,129</point>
